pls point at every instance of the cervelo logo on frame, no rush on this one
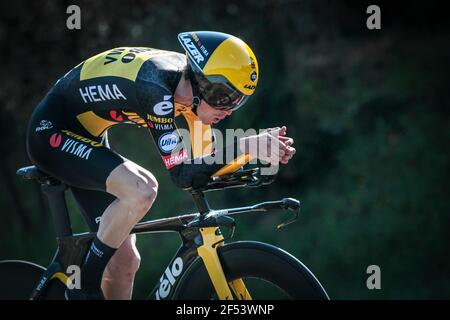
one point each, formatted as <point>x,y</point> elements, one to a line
<point>168,279</point>
<point>168,141</point>
<point>164,107</point>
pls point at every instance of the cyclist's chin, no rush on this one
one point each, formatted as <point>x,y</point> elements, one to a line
<point>209,121</point>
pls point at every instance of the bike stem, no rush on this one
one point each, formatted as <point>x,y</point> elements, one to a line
<point>201,202</point>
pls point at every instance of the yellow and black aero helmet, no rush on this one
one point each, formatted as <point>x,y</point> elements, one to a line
<point>223,69</point>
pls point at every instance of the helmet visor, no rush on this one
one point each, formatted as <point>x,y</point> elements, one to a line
<point>219,93</point>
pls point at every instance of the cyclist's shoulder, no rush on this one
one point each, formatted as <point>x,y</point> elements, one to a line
<point>163,68</point>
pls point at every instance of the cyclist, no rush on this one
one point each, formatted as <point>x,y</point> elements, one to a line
<point>67,138</point>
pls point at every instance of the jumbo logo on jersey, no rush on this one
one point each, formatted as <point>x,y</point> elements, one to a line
<point>164,107</point>
<point>168,141</point>
<point>158,119</point>
<point>101,93</point>
<point>190,45</point>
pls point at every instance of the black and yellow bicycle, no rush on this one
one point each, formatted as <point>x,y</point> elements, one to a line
<point>204,267</point>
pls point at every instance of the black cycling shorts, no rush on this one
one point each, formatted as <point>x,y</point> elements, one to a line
<point>81,161</point>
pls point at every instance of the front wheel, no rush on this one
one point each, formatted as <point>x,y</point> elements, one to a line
<point>267,271</point>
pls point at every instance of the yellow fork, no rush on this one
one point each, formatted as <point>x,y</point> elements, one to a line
<point>208,252</point>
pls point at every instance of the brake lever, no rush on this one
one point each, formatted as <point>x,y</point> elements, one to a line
<point>291,205</point>
<point>287,222</point>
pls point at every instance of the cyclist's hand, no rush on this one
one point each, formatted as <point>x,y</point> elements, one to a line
<point>280,133</point>
<point>271,146</point>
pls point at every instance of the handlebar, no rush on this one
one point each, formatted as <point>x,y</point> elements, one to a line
<point>242,178</point>
<point>225,217</point>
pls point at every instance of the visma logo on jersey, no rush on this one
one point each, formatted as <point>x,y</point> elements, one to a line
<point>162,127</point>
<point>72,146</point>
<point>168,141</point>
<point>164,107</point>
<point>168,279</point>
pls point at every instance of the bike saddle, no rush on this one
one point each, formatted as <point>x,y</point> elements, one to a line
<point>33,173</point>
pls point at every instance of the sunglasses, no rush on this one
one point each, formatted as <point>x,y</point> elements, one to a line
<point>219,93</point>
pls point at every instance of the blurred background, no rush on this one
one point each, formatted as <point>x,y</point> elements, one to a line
<point>368,109</point>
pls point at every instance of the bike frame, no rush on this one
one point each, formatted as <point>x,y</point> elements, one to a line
<point>199,232</point>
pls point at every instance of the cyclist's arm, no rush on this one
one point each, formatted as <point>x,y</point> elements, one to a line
<point>159,112</point>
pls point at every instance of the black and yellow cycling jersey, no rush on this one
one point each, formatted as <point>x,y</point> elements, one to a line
<point>119,86</point>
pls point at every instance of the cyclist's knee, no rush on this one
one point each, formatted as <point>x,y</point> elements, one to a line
<point>143,196</point>
<point>136,190</point>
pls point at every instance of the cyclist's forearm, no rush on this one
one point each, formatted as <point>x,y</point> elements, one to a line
<point>196,172</point>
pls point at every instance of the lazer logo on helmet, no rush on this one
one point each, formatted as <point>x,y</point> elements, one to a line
<point>168,279</point>
<point>190,46</point>
<point>168,141</point>
<point>164,107</point>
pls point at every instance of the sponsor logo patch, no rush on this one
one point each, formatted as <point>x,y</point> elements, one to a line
<point>168,142</point>
<point>159,126</point>
<point>101,93</point>
<point>44,125</point>
<point>173,160</point>
<point>76,148</point>
<point>164,107</point>
<point>191,48</point>
<point>83,139</point>
<point>115,115</point>
<point>76,145</point>
<point>159,119</point>
<point>55,140</point>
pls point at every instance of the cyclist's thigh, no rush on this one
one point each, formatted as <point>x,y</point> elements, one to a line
<point>77,160</point>
<point>92,204</point>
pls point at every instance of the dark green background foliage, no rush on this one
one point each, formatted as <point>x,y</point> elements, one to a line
<point>369,111</point>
